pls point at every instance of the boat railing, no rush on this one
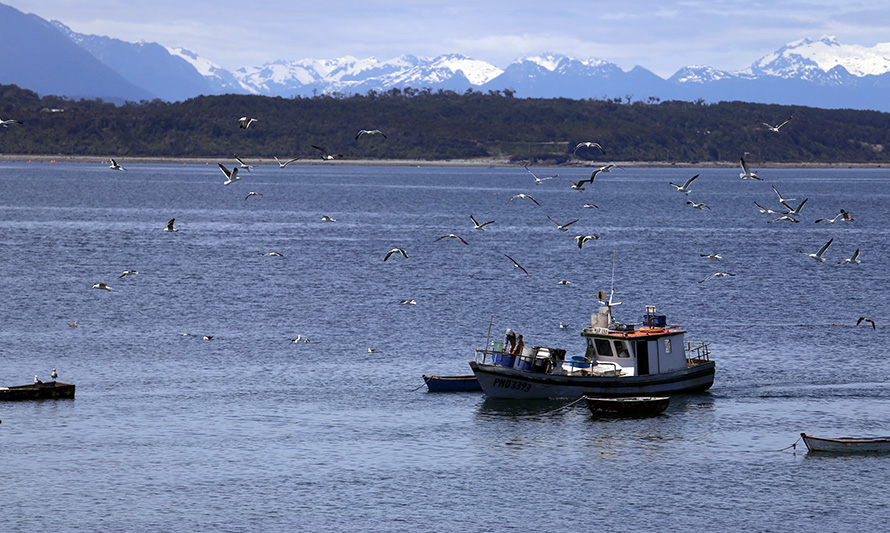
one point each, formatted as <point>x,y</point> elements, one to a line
<point>698,351</point>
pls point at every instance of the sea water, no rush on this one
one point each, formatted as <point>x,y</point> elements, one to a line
<point>250,431</point>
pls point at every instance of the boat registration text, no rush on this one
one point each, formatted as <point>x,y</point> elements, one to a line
<point>511,384</point>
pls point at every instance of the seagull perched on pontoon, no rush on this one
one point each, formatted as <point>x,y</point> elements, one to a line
<point>395,251</point>
<point>685,187</point>
<point>126,273</point>
<point>539,180</point>
<point>170,225</point>
<point>589,144</point>
<point>853,259</point>
<point>325,155</point>
<point>6,123</point>
<point>54,375</point>
<point>563,227</point>
<point>231,175</point>
<point>517,265</point>
<point>285,163</point>
<point>747,174</point>
<point>102,286</point>
<point>452,236</point>
<point>581,239</point>
<point>818,255</point>
<point>479,226</point>
<point>369,132</point>
<point>242,163</point>
<point>253,193</point>
<point>700,205</point>
<point>776,128</point>
<point>245,122</point>
<point>115,166</point>
<point>717,275</point>
<point>861,320</point>
<point>523,195</point>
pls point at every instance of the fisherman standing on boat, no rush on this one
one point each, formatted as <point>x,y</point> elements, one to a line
<point>510,338</point>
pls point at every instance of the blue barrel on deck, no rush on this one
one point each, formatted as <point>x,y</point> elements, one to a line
<point>655,321</point>
<point>525,363</point>
<point>504,359</point>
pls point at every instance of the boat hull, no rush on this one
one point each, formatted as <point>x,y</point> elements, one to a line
<point>632,406</point>
<point>503,382</point>
<point>53,390</point>
<point>847,444</point>
<point>452,383</point>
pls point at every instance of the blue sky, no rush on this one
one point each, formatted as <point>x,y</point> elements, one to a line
<point>661,35</point>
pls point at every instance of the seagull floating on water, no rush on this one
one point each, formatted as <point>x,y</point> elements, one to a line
<point>170,225</point>
<point>395,251</point>
<point>522,195</point>
<point>539,180</point>
<point>325,155</point>
<point>369,132</point>
<point>252,193</point>
<point>746,172</point>
<point>285,163</point>
<point>479,226</point>
<point>245,122</point>
<point>685,187</point>
<point>563,282</point>
<point>517,265</point>
<point>102,286</point>
<point>231,175</point>
<point>274,254</point>
<point>115,166</point>
<point>207,337</point>
<point>717,275</point>
<point>776,128</point>
<point>818,255</point>
<point>326,218</point>
<point>854,259</point>
<point>452,236</point>
<point>581,239</point>
<point>563,227</point>
<point>126,273</point>
<point>589,144</point>
<point>408,302</point>
<point>72,324</point>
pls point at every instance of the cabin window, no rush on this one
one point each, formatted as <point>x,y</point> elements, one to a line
<point>621,349</point>
<point>667,346</point>
<point>603,347</point>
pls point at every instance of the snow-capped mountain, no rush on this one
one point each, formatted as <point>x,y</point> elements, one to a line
<point>806,59</point>
<point>221,80</point>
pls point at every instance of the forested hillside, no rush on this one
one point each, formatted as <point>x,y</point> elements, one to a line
<point>421,124</point>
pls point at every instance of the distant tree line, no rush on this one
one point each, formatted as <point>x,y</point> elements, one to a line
<point>442,124</point>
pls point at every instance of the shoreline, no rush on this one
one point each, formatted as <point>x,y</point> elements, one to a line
<point>480,162</point>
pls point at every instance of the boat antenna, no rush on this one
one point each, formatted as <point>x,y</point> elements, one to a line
<point>612,288</point>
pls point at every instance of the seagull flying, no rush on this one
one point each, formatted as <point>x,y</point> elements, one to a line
<point>517,265</point>
<point>767,211</point>
<point>711,256</point>
<point>252,193</point>
<point>452,236</point>
<point>818,255</point>
<point>563,227</point>
<point>539,180</point>
<point>522,195</point>
<point>408,302</point>
<point>285,163</point>
<point>784,218</point>
<point>563,282</point>
<point>101,286</point>
<point>717,275</point>
<point>126,273</point>
<point>170,225</point>
<point>861,320</point>
<point>701,205</point>
<point>369,132</point>
<point>795,211</point>
<point>242,163</point>
<point>274,254</point>
<point>843,215</point>
<point>325,155</point>
<point>854,259</point>
<point>781,200</point>
<point>479,226</point>
<point>776,128</point>
<point>589,206</point>
<point>5,123</point>
<point>231,175</point>
<point>395,251</point>
<point>747,174</point>
<point>685,187</point>
<point>578,186</point>
<point>581,239</point>
<point>245,122</point>
<point>589,145</point>
<point>115,166</point>
<point>604,168</point>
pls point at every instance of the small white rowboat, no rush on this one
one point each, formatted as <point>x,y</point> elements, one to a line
<point>847,444</point>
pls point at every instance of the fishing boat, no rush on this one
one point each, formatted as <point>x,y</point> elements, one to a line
<point>847,444</point>
<point>451,383</point>
<point>52,390</point>
<point>651,358</point>
<point>628,406</point>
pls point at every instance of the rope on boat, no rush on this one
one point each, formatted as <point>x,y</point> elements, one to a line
<point>792,446</point>
<point>561,408</point>
<point>426,380</point>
